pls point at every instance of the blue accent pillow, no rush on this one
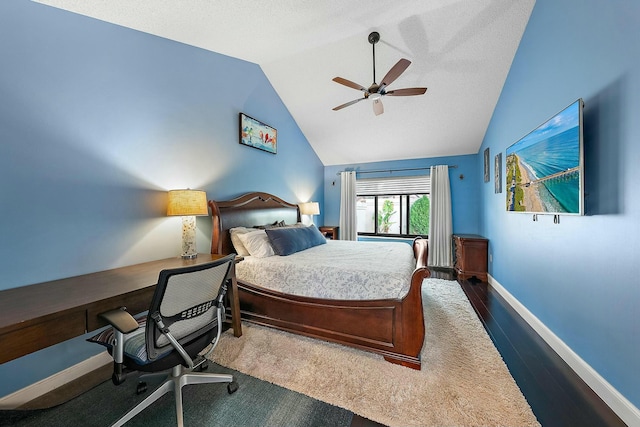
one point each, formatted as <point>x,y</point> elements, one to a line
<point>286,241</point>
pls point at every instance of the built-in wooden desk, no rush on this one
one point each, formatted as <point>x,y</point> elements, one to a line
<point>37,316</point>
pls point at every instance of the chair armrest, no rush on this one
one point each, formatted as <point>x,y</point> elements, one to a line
<point>120,319</point>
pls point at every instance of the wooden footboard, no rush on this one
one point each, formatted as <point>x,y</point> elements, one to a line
<point>393,328</point>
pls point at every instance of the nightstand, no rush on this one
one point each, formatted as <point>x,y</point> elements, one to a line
<point>329,232</point>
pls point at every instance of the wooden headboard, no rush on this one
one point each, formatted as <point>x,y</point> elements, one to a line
<point>249,210</point>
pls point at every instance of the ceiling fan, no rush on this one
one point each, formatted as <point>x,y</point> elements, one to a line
<point>377,91</point>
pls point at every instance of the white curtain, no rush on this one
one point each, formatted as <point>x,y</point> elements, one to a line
<point>348,229</point>
<point>440,228</point>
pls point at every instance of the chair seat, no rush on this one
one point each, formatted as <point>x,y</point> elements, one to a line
<point>134,347</point>
<point>135,350</point>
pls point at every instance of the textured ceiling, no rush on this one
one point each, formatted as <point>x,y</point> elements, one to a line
<point>460,49</point>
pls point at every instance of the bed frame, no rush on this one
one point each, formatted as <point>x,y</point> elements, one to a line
<point>393,328</point>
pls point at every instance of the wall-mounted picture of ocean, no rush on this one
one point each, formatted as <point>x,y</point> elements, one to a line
<point>544,170</point>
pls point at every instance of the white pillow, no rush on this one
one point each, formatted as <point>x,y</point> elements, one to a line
<point>237,243</point>
<point>257,243</point>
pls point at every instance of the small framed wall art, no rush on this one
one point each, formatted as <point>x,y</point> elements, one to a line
<point>487,165</point>
<point>498,173</point>
<point>258,135</point>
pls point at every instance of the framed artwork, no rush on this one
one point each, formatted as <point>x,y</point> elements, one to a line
<point>258,135</point>
<point>498,173</point>
<point>487,173</point>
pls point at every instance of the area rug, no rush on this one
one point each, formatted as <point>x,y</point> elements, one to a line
<point>463,380</point>
<point>256,404</point>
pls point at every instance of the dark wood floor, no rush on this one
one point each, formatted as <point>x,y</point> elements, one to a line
<point>556,394</point>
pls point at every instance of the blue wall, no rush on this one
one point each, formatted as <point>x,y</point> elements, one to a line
<point>578,277</point>
<point>97,122</point>
<point>465,199</point>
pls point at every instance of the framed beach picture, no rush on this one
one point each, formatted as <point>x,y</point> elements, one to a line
<point>258,135</point>
<point>544,170</point>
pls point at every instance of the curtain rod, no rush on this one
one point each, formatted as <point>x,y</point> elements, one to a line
<point>396,170</point>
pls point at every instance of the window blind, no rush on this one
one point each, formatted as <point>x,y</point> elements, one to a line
<point>397,185</point>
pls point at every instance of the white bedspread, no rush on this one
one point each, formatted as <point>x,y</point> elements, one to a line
<point>338,270</point>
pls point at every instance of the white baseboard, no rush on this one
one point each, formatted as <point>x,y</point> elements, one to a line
<point>612,397</point>
<point>22,396</point>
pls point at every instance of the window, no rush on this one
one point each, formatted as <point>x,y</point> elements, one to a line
<point>397,207</point>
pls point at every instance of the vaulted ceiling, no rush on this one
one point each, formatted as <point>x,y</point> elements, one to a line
<point>461,50</point>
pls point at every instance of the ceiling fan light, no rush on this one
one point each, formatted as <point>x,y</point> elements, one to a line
<point>378,108</point>
<point>375,96</point>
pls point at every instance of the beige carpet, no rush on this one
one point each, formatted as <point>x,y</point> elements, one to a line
<point>463,381</point>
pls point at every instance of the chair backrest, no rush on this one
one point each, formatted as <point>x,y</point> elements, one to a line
<point>186,299</point>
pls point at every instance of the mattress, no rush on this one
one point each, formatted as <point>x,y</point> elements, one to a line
<point>340,270</point>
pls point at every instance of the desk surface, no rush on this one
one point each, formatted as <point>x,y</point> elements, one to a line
<point>25,311</point>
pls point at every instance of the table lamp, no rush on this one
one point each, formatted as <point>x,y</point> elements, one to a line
<point>188,204</point>
<point>309,208</point>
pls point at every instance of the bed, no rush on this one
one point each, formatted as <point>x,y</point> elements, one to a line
<point>392,326</point>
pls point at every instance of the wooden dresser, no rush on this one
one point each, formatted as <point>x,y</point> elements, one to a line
<point>470,256</point>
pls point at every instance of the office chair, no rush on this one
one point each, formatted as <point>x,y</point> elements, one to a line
<point>184,318</point>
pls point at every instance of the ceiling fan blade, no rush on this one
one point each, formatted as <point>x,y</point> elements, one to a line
<point>407,92</point>
<point>349,83</point>
<point>394,72</point>
<point>340,107</point>
<point>378,108</point>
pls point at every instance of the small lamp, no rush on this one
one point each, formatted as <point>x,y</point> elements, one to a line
<point>309,208</point>
<point>188,204</point>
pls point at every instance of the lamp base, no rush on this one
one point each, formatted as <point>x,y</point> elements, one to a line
<point>189,237</point>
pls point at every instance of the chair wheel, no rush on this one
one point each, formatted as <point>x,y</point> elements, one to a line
<point>142,387</point>
<point>232,387</point>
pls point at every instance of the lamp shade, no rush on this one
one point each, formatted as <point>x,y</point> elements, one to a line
<point>187,202</point>
<point>309,208</point>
